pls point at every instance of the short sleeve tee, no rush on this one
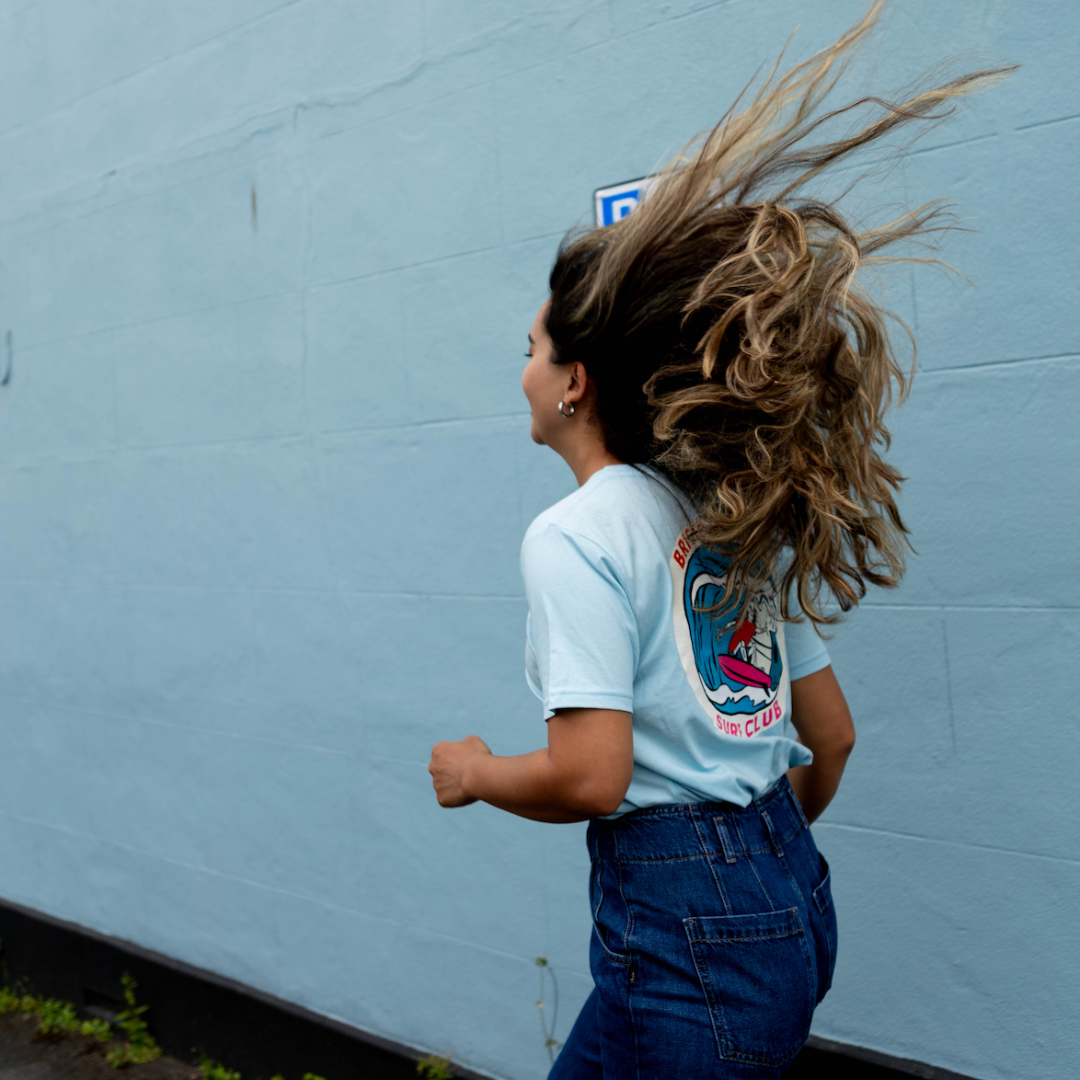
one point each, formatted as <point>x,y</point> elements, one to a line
<point>628,611</point>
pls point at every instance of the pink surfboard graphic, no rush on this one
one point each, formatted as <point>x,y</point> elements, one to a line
<point>740,671</point>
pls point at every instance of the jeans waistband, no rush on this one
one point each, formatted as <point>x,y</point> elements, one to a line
<point>694,830</point>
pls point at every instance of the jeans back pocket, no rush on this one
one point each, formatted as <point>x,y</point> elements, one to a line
<point>757,976</point>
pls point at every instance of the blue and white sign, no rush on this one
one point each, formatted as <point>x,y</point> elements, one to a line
<point>614,203</point>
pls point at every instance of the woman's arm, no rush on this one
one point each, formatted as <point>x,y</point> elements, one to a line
<point>583,773</point>
<point>821,717</point>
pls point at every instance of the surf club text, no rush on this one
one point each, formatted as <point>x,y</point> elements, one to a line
<point>752,725</point>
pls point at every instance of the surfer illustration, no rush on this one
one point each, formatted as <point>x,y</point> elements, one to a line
<point>739,661</point>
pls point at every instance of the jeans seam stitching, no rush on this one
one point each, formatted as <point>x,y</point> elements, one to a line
<point>720,1036</point>
<point>761,884</point>
<point>711,860</point>
<point>629,912</point>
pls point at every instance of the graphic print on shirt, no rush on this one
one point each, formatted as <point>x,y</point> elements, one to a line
<point>735,665</point>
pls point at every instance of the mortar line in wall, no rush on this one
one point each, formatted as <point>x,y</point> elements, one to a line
<point>950,145</point>
<point>395,82</point>
<point>150,449</point>
<point>650,26</point>
<point>396,760</point>
<point>45,343</point>
<point>948,684</point>
<point>493,99</point>
<point>946,843</point>
<point>327,590</point>
<point>390,270</point>
<point>85,710</point>
<point>231,31</point>
<point>969,607</point>
<point>1047,123</point>
<point>914,308</point>
<point>252,590</point>
<point>408,425</point>
<point>28,6</point>
<point>309,438</point>
<point>265,886</point>
<point>1052,358</point>
<point>60,222</point>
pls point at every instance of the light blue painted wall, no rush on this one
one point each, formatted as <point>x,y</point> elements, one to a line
<point>262,485</point>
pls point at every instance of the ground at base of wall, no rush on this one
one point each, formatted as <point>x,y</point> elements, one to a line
<point>26,1056</point>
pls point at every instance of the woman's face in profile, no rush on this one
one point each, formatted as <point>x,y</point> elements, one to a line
<point>544,382</point>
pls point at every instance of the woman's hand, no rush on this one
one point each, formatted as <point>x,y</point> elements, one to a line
<point>582,773</point>
<point>447,765</point>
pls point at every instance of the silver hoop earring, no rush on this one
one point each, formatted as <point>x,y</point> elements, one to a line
<point>567,415</point>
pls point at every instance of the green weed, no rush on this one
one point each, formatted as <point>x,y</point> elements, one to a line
<point>214,1070</point>
<point>140,1046</point>
<point>10,1000</point>
<point>98,1029</point>
<point>55,1017</point>
<point>434,1067</point>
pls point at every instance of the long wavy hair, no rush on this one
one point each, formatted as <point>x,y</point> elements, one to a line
<point>731,347</point>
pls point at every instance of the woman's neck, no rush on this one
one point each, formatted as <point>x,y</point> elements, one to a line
<point>588,459</point>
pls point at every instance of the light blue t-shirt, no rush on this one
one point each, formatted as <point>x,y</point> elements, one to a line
<point>615,582</point>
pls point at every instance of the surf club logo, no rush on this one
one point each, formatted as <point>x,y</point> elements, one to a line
<point>735,664</point>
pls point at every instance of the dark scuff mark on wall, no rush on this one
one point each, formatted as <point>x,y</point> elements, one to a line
<point>8,354</point>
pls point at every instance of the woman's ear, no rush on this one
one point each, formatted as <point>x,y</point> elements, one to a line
<point>578,381</point>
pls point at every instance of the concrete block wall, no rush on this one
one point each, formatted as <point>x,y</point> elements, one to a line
<point>266,272</point>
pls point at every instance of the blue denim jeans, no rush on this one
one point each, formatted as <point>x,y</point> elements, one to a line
<point>714,937</point>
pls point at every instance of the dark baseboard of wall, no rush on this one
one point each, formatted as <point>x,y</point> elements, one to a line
<point>824,1059</point>
<point>194,1012</point>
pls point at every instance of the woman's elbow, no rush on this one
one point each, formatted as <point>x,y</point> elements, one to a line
<point>844,742</point>
<point>598,798</point>
<point>835,745</point>
<point>607,803</point>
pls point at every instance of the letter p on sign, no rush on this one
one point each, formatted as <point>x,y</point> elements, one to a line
<point>614,203</point>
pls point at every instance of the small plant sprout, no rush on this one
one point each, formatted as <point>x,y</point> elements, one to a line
<point>434,1067</point>
<point>55,1017</point>
<point>140,1046</point>
<point>98,1029</point>
<point>214,1070</point>
<point>548,1018</point>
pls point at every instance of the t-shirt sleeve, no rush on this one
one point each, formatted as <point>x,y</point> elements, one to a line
<point>582,631</point>
<point>806,651</point>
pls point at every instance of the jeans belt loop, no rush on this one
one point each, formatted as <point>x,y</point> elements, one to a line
<point>725,840</point>
<point>773,838</point>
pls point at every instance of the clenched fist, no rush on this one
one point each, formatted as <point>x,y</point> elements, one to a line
<point>447,763</point>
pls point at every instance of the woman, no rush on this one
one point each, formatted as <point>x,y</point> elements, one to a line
<point>716,381</point>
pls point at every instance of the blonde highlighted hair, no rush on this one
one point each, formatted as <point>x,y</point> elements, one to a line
<point>732,348</point>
